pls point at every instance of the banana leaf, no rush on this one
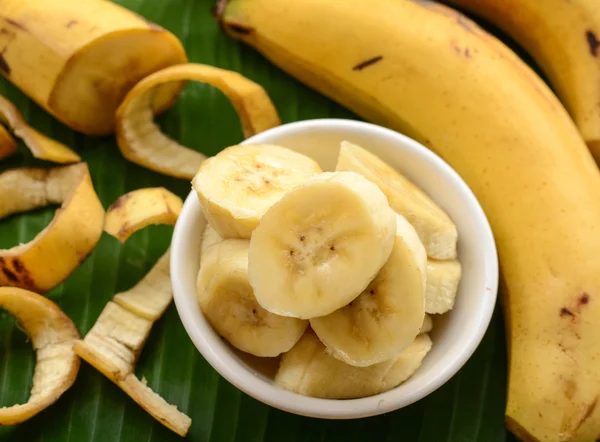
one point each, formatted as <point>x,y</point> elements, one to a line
<point>468,408</point>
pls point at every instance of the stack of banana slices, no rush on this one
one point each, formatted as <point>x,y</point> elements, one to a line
<point>336,272</point>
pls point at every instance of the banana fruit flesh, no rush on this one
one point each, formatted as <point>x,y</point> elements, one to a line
<point>83,57</point>
<point>310,370</point>
<point>564,39</point>
<point>443,278</point>
<point>437,232</point>
<point>431,73</point>
<point>239,184</point>
<point>387,316</point>
<point>228,302</point>
<point>320,245</point>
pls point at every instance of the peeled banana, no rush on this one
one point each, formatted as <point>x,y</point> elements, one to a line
<point>434,75</point>
<point>228,302</point>
<point>443,278</point>
<point>387,316</point>
<point>77,59</point>
<point>319,246</point>
<point>310,370</point>
<point>437,232</point>
<point>564,38</point>
<point>239,184</point>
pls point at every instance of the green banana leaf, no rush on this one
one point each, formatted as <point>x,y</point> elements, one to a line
<point>468,408</point>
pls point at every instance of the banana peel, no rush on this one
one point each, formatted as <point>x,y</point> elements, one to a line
<point>140,208</point>
<point>52,334</point>
<point>41,146</point>
<point>115,342</point>
<point>8,145</point>
<point>141,140</point>
<point>65,243</point>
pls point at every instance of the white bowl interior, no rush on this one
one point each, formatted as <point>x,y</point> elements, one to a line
<point>455,334</point>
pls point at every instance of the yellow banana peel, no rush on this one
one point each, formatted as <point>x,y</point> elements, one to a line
<point>52,335</point>
<point>115,342</point>
<point>141,140</point>
<point>65,243</point>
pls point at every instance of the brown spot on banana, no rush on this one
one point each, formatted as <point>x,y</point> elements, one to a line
<point>593,42</point>
<point>584,299</point>
<point>371,61</point>
<point>240,29</point>
<point>566,312</point>
<point>16,24</point>
<point>71,23</point>
<point>588,412</point>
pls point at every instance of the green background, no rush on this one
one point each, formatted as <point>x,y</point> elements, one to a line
<point>468,408</point>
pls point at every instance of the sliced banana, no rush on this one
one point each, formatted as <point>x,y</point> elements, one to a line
<point>319,247</point>
<point>309,369</point>
<point>443,278</point>
<point>210,237</point>
<point>227,300</point>
<point>427,324</point>
<point>388,314</point>
<point>238,185</point>
<point>436,230</point>
<point>52,334</point>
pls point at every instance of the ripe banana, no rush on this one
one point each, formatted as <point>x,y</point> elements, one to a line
<point>564,38</point>
<point>228,302</point>
<point>436,230</point>
<point>439,78</point>
<point>443,278</point>
<point>387,316</point>
<point>319,247</point>
<point>78,59</point>
<point>427,324</point>
<point>310,370</point>
<point>238,185</point>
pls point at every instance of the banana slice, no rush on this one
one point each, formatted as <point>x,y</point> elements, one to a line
<point>309,369</point>
<point>141,140</point>
<point>443,278</point>
<point>8,145</point>
<point>115,342</point>
<point>436,230</point>
<point>41,146</point>
<point>238,185</point>
<point>210,237</point>
<point>318,248</point>
<point>52,334</point>
<point>140,208</point>
<point>388,314</point>
<point>228,302</point>
<point>427,324</point>
<point>65,243</point>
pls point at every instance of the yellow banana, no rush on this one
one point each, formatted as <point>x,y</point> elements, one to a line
<point>564,38</point>
<point>431,73</point>
<point>78,59</point>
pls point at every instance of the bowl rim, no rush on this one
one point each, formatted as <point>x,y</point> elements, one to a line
<point>230,368</point>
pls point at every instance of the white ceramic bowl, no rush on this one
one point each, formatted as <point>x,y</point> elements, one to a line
<point>455,335</point>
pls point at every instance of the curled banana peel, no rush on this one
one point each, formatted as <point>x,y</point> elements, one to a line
<point>140,208</point>
<point>141,140</point>
<point>65,243</point>
<point>41,146</point>
<point>52,334</point>
<point>115,342</point>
